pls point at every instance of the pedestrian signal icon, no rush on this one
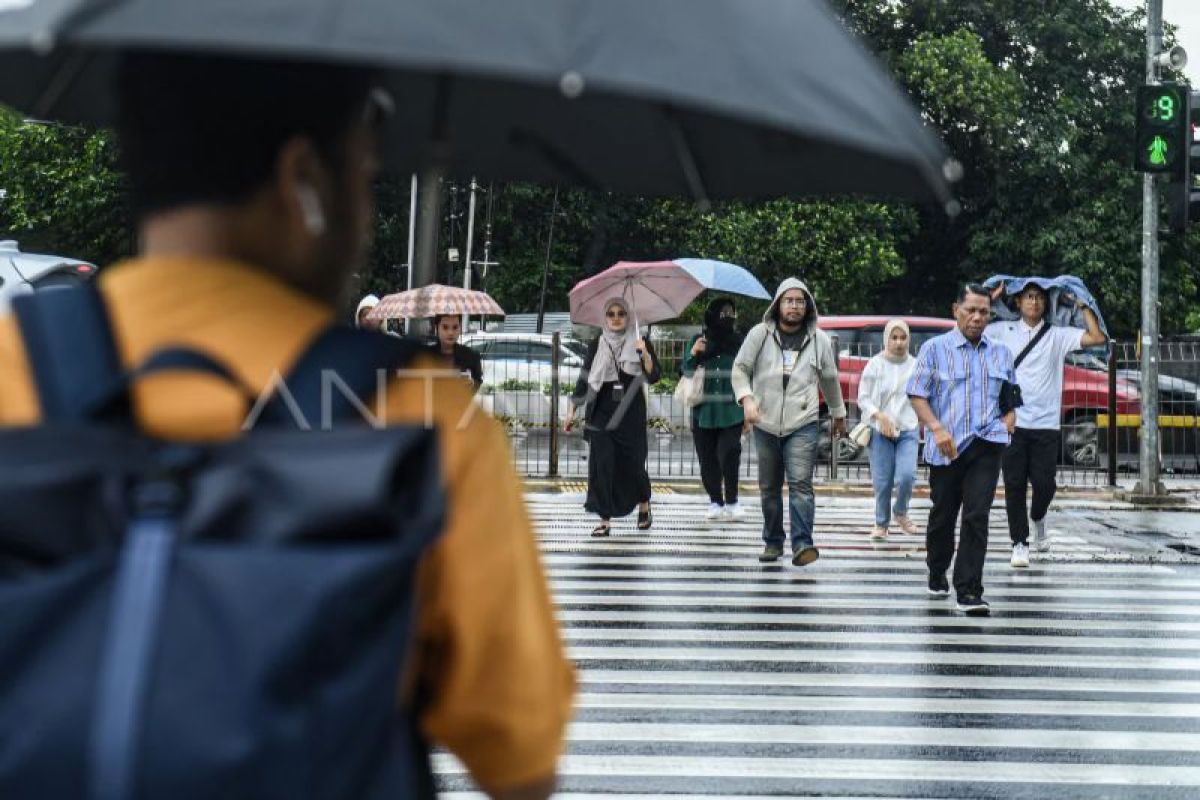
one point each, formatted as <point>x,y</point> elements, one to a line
<point>1163,129</point>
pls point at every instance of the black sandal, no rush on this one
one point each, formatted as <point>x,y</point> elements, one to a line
<point>645,520</point>
<point>603,529</point>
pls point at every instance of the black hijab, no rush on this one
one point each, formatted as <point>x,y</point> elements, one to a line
<point>721,334</point>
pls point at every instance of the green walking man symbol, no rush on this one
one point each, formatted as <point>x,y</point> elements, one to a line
<point>1158,151</point>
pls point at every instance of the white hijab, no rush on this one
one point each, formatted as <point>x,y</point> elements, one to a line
<point>615,350</point>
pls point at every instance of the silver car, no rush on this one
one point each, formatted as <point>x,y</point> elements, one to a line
<point>23,273</point>
<point>525,358</point>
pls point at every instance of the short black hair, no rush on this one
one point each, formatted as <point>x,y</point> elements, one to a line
<point>208,129</point>
<point>971,288</point>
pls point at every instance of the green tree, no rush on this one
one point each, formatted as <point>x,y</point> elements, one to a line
<point>62,191</point>
<point>1036,100</point>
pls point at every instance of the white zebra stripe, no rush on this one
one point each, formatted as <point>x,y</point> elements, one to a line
<point>623,732</point>
<point>809,638</point>
<point>865,656</point>
<point>899,705</point>
<point>902,682</point>
<point>919,619</point>
<point>865,770</point>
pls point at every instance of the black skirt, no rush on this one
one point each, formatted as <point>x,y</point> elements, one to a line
<point>617,478</point>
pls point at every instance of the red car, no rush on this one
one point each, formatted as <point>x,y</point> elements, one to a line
<point>1085,391</point>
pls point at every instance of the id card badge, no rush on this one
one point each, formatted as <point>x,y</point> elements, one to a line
<point>789,360</point>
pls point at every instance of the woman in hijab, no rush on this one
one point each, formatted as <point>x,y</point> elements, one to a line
<point>893,446</point>
<point>610,390</point>
<point>717,420</point>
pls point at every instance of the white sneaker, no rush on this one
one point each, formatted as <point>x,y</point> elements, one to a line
<point>735,511</point>
<point>1020,556</point>
<point>715,511</point>
<point>879,532</point>
<point>1040,542</point>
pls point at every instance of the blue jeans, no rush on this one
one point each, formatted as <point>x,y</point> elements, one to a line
<point>796,456</point>
<point>893,463</point>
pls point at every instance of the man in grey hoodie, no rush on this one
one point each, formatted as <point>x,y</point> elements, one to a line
<point>775,378</point>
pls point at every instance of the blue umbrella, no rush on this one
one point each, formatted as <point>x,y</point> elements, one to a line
<point>722,277</point>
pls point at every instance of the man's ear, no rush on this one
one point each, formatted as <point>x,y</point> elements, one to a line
<point>301,182</point>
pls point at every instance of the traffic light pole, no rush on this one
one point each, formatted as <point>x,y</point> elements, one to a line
<point>1149,482</point>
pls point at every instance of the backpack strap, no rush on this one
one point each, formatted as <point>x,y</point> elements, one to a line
<point>79,375</point>
<point>71,350</point>
<point>341,365</point>
<point>1032,344</point>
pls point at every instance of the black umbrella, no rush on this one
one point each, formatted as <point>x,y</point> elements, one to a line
<point>706,98</point>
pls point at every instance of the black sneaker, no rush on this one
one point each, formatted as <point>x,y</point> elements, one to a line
<point>771,552</point>
<point>805,556</point>
<point>973,605</point>
<point>938,586</point>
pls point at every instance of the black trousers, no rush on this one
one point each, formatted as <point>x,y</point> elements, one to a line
<point>720,454</point>
<point>1032,458</point>
<point>968,483</point>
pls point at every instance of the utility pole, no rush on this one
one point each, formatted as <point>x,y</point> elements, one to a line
<point>412,240</point>
<point>424,268</point>
<point>546,269</point>
<point>1149,473</point>
<point>470,244</point>
<point>487,249</point>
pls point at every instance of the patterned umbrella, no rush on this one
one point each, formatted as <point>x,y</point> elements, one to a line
<point>435,299</point>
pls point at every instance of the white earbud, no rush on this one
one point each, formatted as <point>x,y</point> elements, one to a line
<point>310,207</point>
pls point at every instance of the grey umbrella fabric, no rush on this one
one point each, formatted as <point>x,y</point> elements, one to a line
<point>710,99</point>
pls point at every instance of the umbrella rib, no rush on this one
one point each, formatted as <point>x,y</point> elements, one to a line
<point>687,160</point>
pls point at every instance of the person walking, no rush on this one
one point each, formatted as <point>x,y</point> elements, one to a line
<point>250,234</point>
<point>1041,350</point>
<point>892,449</point>
<point>610,390</point>
<point>718,420</point>
<point>776,375</point>
<point>956,389</point>
<point>447,328</point>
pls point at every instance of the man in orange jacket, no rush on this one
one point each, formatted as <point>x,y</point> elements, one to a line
<point>252,184</point>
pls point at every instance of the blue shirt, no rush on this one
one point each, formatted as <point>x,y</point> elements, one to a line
<point>962,382</point>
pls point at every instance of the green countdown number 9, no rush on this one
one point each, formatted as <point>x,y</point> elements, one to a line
<point>1166,108</point>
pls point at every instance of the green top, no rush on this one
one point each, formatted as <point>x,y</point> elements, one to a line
<point>719,410</point>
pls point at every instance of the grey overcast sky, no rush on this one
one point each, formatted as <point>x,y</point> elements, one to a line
<point>1184,14</point>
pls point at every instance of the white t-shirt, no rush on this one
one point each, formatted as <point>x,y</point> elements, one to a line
<point>1040,375</point>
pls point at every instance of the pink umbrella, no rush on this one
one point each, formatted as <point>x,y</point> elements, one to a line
<point>434,300</point>
<point>655,290</point>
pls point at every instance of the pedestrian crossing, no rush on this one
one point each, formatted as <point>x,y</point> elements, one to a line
<point>704,672</point>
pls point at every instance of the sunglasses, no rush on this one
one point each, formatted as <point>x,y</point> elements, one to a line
<point>615,314</point>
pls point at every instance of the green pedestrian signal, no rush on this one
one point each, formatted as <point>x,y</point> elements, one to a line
<point>1163,129</point>
<point>1158,151</point>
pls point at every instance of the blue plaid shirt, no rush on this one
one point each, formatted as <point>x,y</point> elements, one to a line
<point>962,384</point>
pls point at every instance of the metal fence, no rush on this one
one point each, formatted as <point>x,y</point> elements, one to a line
<point>528,378</point>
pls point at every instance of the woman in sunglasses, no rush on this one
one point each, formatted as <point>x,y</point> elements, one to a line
<point>610,391</point>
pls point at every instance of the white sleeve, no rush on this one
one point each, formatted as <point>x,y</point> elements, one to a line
<point>868,389</point>
<point>1069,340</point>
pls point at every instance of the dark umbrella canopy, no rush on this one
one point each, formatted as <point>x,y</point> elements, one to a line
<point>705,98</point>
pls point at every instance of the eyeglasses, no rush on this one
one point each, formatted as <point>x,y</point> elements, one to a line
<point>728,315</point>
<point>799,302</point>
<point>616,313</point>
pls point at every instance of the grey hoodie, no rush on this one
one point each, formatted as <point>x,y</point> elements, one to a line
<point>758,371</point>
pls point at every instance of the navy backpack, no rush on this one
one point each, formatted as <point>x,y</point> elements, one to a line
<point>217,621</point>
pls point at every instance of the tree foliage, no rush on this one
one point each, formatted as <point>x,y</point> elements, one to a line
<point>62,191</point>
<point>1034,99</point>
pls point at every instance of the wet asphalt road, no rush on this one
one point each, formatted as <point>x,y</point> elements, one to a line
<point>705,673</point>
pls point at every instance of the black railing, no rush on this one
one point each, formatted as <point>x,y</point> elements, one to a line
<point>527,380</point>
